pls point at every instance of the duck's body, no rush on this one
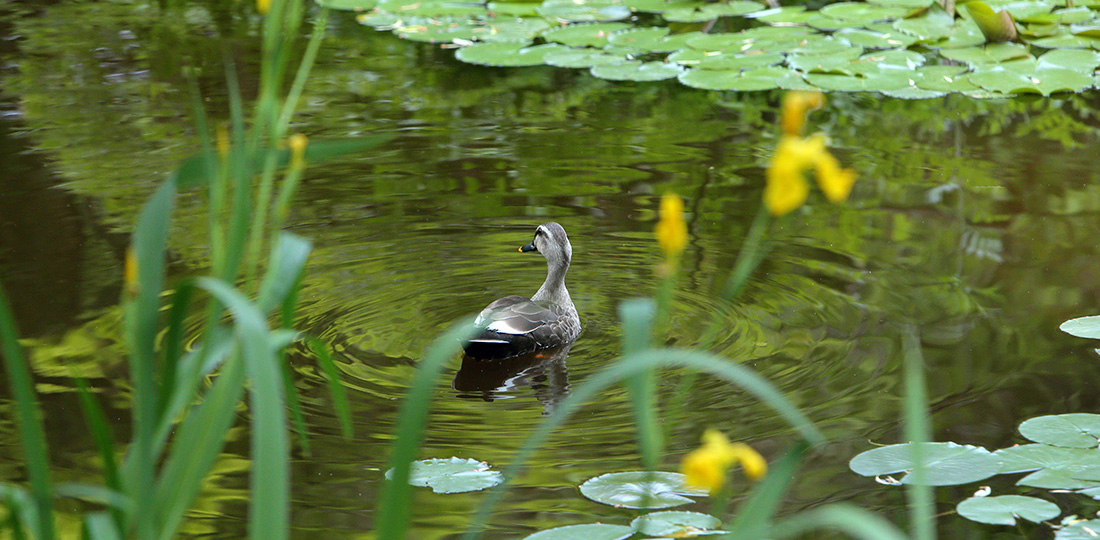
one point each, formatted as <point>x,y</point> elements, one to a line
<point>515,325</point>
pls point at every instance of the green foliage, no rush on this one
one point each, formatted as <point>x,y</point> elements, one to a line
<point>452,475</point>
<point>1004,509</point>
<point>640,489</point>
<point>845,46</point>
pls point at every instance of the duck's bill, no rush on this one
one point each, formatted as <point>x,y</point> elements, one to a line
<point>528,248</point>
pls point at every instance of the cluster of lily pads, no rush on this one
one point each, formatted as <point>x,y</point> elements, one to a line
<point>635,490</point>
<point>902,48</point>
<point>1064,456</point>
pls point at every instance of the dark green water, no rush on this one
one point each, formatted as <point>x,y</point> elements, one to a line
<point>975,220</point>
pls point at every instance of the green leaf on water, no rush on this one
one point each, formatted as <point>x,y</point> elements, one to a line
<point>911,4</point>
<point>861,13</point>
<point>873,39</point>
<point>1085,61</point>
<point>1004,509</point>
<point>505,54</point>
<point>637,71</point>
<point>1085,327</point>
<point>584,35</point>
<point>640,38</point>
<point>933,25</point>
<point>1079,530</point>
<point>1066,40</point>
<point>1030,457</point>
<point>676,524</point>
<point>782,15</point>
<point>996,26</point>
<point>350,5</point>
<point>1074,430</point>
<point>724,61</point>
<point>581,58</point>
<point>990,54</point>
<point>944,79</point>
<point>591,531</point>
<point>1055,479</point>
<point>584,10</point>
<point>640,489</point>
<point>512,9</point>
<point>947,464</point>
<point>661,6</point>
<point>452,475</point>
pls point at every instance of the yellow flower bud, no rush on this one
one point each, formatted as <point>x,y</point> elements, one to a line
<point>671,230</point>
<point>130,272</point>
<point>297,144</point>
<point>262,6</point>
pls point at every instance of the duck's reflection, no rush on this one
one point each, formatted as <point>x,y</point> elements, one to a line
<point>544,371</point>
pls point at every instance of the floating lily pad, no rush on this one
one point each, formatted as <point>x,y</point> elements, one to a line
<point>861,13</point>
<point>452,475</point>
<point>675,524</point>
<point>911,4</point>
<point>584,10</point>
<point>1078,530</point>
<point>640,489</point>
<point>944,79</point>
<point>782,15</point>
<point>707,12</point>
<point>1085,327</point>
<point>505,54</point>
<point>724,61</point>
<point>1075,430</point>
<point>584,35</point>
<point>710,79</point>
<point>1085,61</point>
<point>1055,479</point>
<point>378,19</point>
<point>946,464</point>
<point>647,39</point>
<point>638,71</point>
<point>512,9</point>
<point>1066,40</point>
<point>515,30</point>
<point>933,25</point>
<point>352,5</point>
<point>1004,509</point>
<point>991,54</point>
<point>872,39</point>
<point>913,92</point>
<point>661,6</point>
<point>581,58</point>
<point>1030,457</point>
<point>591,531</point>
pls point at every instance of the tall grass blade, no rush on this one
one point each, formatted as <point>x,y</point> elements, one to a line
<point>295,92</point>
<point>100,526</point>
<point>335,389</point>
<point>755,516</point>
<point>918,430</point>
<point>393,507</point>
<point>637,317</point>
<point>95,494</point>
<point>22,511</point>
<point>104,442</point>
<point>288,260</point>
<point>198,441</point>
<point>269,483</point>
<point>148,247</point>
<point>295,406</point>
<point>173,345</point>
<point>630,365</point>
<point>852,520</point>
<point>31,431</point>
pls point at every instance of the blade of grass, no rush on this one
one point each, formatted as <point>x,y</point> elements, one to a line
<point>393,506</point>
<point>173,345</point>
<point>288,260</point>
<point>95,494</point>
<point>104,442</point>
<point>627,366</point>
<point>335,389</point>
<point>852,520</point>
<point>148,247</point>
<point>32,434</point>
<point>754,517</point>
<point>637,317</point>
<point>298,420</point>
<point>918,430</point>
<point>198,441</point>
<point>269,483</point>
<point>23,513</point>
<point>100,526</point>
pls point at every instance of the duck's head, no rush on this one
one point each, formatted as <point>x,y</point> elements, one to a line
<point>551,241</point>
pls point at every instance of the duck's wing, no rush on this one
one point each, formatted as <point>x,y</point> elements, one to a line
<point>515,315</point>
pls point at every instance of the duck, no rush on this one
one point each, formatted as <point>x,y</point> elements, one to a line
<point>517,325</point>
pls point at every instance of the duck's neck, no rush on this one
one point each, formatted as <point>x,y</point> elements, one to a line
<point>553,289</point>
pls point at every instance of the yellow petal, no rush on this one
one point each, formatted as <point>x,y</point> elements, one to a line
<point>297,144</point>
<point>130,272</point>
<point>786,189</point>
<point>754,465</point>
<point>835,182</point>
<point>795,106</point>
<point>671,231</point>
<point>262,6</point>
<point>702,470</point>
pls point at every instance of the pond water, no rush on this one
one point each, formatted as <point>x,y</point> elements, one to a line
<point>973,220</point>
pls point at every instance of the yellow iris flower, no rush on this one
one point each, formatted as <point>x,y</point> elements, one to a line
<point>705,467</point>
<point>262,6</point>
<point>786,187</point>
<point>297,144</point>
<point>671,230</point>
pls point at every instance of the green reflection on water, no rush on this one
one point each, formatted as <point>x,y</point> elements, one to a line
<point>973,218</point>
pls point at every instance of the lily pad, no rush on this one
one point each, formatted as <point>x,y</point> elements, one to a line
<point>1004,509</point>
<point>1084,61</point>
<point>946,464</point>
<point>590,531</point>
<point>933,25</point>
<point>584,35</point>
<point>723,61</point>
<point>709,12</point>
<point>640,489</point>
<point>584,10</point>
<point>911,4</point>
<point>1074,430</point>
<point>349,5</point>
<point>1030,457</point>
<point>452,475</point>
<point>505,54</point>
<point>675,524</point>
<point>637,71</point>
<point>714,79</point>
<point>1085,327</point>
<point>647,39</point>
<point>1056,479</point>
<point>944,79</point>
<point>872,39</point>
<point>1079,530</point>
<point>861,13</point>
<point>581,58</point>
